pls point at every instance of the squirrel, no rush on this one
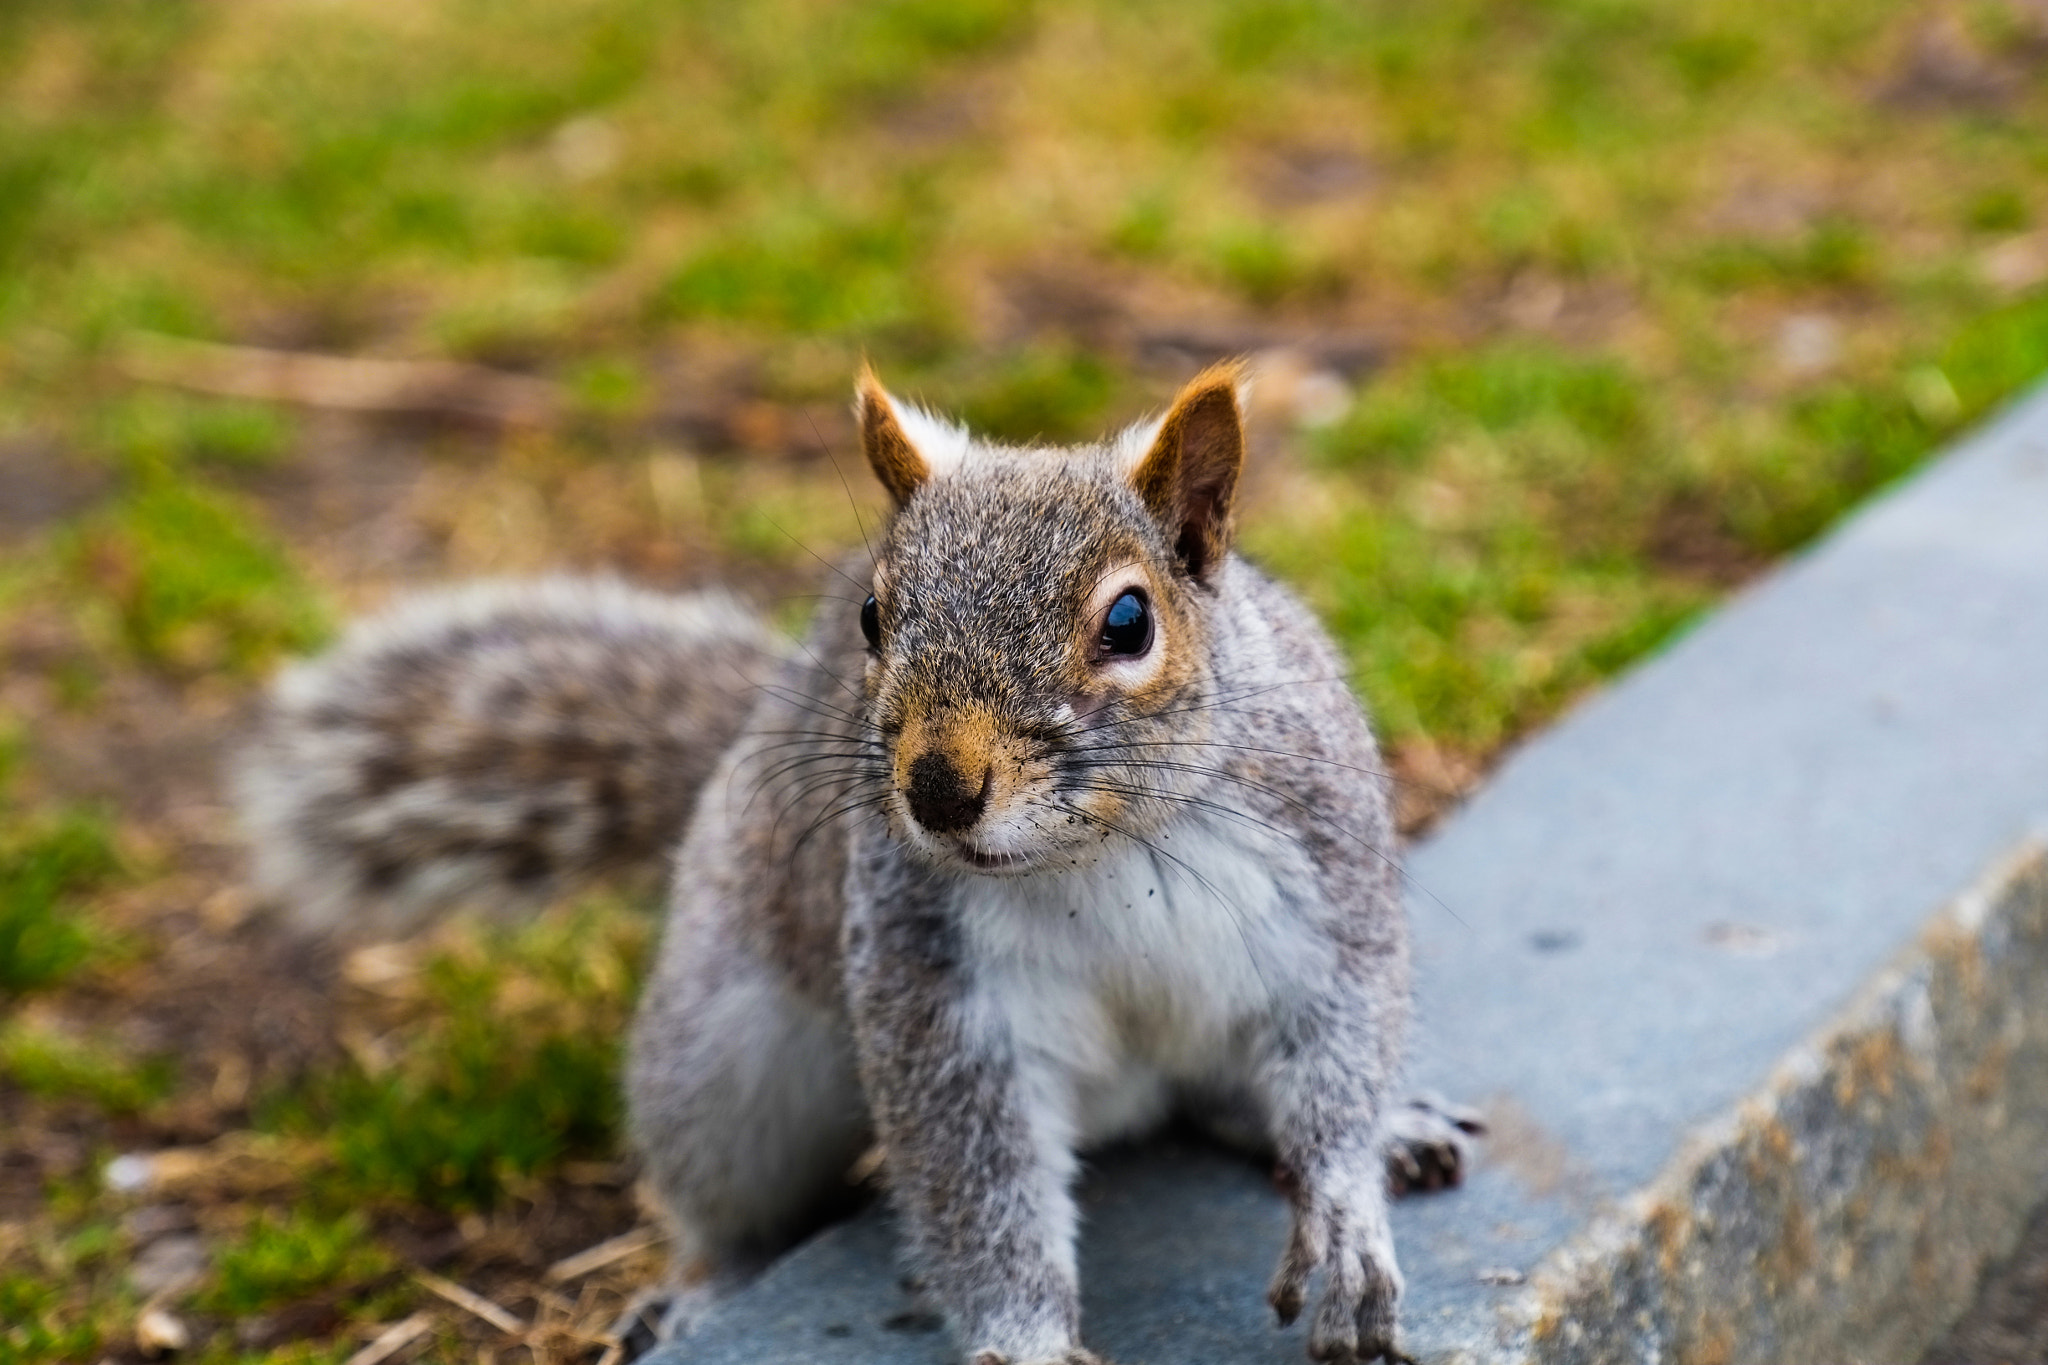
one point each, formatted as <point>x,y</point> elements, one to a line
<point>1059,823</point>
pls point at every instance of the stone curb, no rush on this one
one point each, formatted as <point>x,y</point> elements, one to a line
<point>1845,1211</point>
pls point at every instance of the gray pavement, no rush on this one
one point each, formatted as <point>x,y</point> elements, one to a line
<point>1747,959</point>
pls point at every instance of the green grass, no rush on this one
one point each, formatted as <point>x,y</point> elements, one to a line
<point>32,1328</point>
<point>62,1300</point>
<point>47,864</point>
<point>1047,393</point>
<point>575,187</point>
<point>510,1067</point>
<point>287,1255</point>
<point>55,1066</point>
<point>181,576</point>
<point>152,429</point>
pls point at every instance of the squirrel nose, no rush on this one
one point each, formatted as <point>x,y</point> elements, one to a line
<point>940,797</point>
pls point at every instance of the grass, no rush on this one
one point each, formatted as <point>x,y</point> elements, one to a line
<point>182,579</point>
<point>43,1315</point>
<point>571,188</point>
<point>1622,300</point>
<point>48,865</point>
<point>287,1255</point>
<point>488,1061</point>
<point>504,1066</point>
<point>53,1066</point>
<point>35,1328</point>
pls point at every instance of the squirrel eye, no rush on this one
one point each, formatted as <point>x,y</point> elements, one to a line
<point>871,622</point>
<point>1127,630</point>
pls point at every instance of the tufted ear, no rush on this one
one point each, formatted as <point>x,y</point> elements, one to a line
<point>906,446</point>
<point>1188,476</point>
<point>894,459</point>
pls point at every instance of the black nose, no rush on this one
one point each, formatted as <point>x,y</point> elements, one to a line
<point>940,797</point>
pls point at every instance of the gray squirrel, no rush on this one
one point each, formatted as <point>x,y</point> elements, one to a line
<point>1059,822</point>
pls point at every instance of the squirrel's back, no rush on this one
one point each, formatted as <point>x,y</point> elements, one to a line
<point>500,741</point>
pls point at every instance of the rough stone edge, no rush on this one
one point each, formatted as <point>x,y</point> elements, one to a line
<point>1846,1210</point>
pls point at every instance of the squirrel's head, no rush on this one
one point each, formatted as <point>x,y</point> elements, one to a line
<point>1041,625</point>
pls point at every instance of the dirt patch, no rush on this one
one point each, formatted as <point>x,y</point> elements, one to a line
<point>39,487</point>
<point>1689,536</point>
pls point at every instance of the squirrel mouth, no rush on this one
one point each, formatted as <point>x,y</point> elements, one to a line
<point>983,861</point>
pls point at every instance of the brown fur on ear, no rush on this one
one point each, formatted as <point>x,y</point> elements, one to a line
<point>890,454</point>
<point>1189,476</point>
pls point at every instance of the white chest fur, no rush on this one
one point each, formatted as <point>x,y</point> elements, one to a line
<point>1148,969</point>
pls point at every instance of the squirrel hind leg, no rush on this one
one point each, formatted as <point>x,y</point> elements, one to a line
<point>746,1108</point>
<point>667,1312</point>
<point>1429,1143</point>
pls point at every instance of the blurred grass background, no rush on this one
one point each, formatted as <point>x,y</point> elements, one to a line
<point>1576,314</point>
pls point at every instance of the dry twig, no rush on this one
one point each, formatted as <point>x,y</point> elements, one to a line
<point>431,388</point>
<point>471,1302</point>
<point>604,1253</point>
<point>394,1339</point>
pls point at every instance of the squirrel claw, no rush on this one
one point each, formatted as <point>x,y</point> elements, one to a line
<point>1340,1232</point>
<point>1286,1301</point>
<point>1429,1144</point>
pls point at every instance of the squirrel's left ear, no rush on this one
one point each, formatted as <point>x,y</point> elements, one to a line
<point>1188,476</point>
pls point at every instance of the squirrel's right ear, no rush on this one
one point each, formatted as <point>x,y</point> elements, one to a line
<point>905,446</point>
<point>890,454</point>
<point>1188,476</point>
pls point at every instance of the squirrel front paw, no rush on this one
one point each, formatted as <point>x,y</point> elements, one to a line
<point>1077,1356</point>
<point>1346,1237</point>
<point>1429,1144</point>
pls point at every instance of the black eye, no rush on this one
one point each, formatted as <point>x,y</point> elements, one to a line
<point>1127,630</point>
<point>871,622</point>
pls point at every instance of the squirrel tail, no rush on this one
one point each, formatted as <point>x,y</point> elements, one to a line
<point>500,742</point>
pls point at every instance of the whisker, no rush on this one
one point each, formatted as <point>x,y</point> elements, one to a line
<point>841,810</point>
<point>814,740</point>
<point>819,664</point>
<point>803,734</point>
<point>816,706</point>
<point>766,762</point>
<point>819,597</point>
<point>851,502</point>
<point>792,768</point>
<point>814,554</point>
<point>1383,775</point>
<point>1224,774</point>
<point>835,791</point>
<point>1197,802</point>
<point>809,757</point>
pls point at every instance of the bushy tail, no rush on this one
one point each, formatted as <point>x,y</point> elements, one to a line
<point>499,742</point>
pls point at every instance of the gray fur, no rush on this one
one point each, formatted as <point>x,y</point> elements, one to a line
<point>495,742</point>
<point>1179,895</point>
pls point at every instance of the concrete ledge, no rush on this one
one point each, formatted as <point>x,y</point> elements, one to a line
<point>1844,1212</point>
<point>1756,1094</point>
